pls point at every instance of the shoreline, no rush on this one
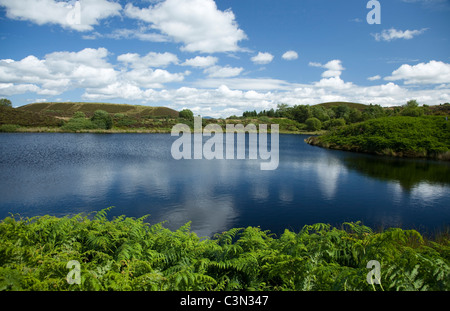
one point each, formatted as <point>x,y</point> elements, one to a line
<point>409,154</point>
<point>132,131</point>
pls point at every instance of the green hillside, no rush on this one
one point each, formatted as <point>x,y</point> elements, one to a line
<point>68,109</point>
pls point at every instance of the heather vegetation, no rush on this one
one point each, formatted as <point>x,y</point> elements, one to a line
<point>131,254</point>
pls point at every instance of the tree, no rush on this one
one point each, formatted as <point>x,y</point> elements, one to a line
<point>355,116</point>
<point>102,119</point>
<point>5,102</point>
<point>412,104</point>
<point>412,109</point>
<point>373,112</point>
<point>320,113</point>
<point>313,124</point>
<point>333,123</point>
<point>341,111</point>
<point>282,110</point>
<point>301,113</point>
<point>187,114</point>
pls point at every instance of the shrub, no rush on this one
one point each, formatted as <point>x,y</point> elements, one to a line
<point>334,123</point>
<point>79,114</point>
<point>313,124</point>
<point>187,114</point>
<point>78,124</point>
<point>102,119</point>
<point>9,128</point>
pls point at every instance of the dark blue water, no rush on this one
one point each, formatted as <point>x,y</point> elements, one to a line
<point>60,174</point>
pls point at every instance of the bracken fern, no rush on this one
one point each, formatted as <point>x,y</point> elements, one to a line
<point>132,254</point>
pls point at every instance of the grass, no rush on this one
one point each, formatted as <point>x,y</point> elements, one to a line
<point>129,254</point>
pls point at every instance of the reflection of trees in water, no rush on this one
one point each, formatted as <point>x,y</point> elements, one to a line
<point>408,173</point>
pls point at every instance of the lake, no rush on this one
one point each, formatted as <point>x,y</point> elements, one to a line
<point>60,174</point>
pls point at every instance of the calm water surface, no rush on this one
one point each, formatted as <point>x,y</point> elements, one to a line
<point>60,174</point>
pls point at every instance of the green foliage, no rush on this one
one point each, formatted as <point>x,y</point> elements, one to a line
<point>131,254</point>
<point>78,123</point>
<point>122,120</point>
<point>313,124</point>
<point>5,102</point>
<point>187,114</point>
<point>9,128</point>
<point>412,109</point>
<point>79,115</point>
<point>333,124</point>
<point>320,113</point>
<point>102,119</point>
<point>301,113</point>
<point>373,112</point>
<point>427,136</point>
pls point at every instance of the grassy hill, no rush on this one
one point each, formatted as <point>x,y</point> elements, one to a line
<point>59,117</point>
<point>68,109</point>
<point>19,117</point>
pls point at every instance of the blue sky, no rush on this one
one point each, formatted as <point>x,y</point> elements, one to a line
<point>220,58</point>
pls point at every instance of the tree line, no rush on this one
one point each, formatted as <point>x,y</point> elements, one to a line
<point>318,117</point>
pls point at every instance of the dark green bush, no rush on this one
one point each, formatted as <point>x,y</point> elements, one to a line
<point>313,124</point>
<point>187,114</point>
<point>102,119</point>
<point>333,123</point>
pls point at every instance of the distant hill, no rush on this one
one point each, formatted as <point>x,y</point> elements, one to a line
<point>69,108</point>
<point>351,105</point>
<point>15,116</point>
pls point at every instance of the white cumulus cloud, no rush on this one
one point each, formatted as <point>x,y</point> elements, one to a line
<point>334,68</point>
<point>87,69</point>
<point>374,78</point>
<point>198,24</point>
<point>201,61</point>
<point>79,15</point>
<point>262,58</point>
<point>152,59</point>
<point>223,72</point>
<point>433,72</point>
<point>290,55</point>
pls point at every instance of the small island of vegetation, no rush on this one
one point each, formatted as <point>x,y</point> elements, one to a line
<point>413,132</point>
